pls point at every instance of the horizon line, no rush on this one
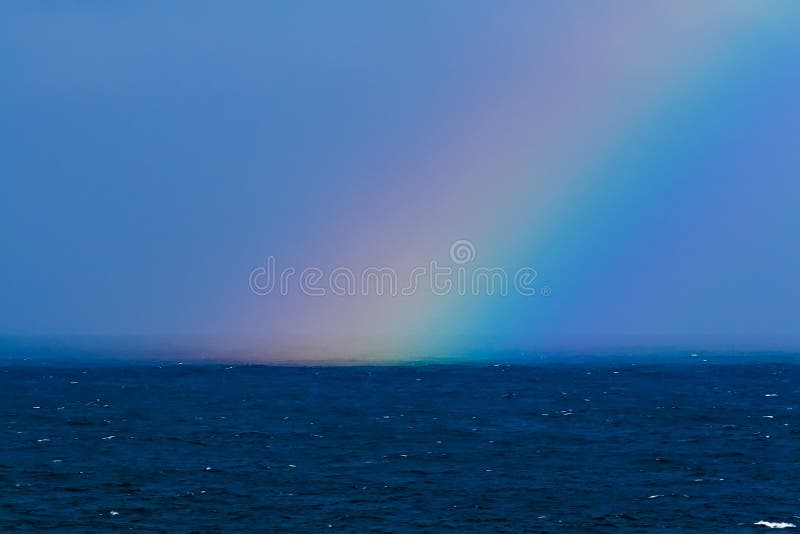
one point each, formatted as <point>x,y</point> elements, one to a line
<point>231,349</point>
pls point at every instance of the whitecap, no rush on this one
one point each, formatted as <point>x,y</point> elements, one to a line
<point>770,524</point>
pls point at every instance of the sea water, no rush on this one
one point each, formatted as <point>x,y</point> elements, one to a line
<point>562,445</point>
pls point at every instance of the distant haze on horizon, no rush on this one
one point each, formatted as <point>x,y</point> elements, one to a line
<point>641,159</point>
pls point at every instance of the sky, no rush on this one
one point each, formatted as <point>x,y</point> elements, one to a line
<point>641,159</point>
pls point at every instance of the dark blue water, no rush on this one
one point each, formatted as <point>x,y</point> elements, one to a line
<point>543,448</point>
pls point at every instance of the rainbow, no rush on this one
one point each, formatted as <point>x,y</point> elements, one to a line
<point>606,149</point>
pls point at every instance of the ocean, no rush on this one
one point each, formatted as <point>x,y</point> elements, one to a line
<point>584,445</point>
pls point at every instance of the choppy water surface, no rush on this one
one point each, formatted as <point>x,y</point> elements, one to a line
<point>541,448</point>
